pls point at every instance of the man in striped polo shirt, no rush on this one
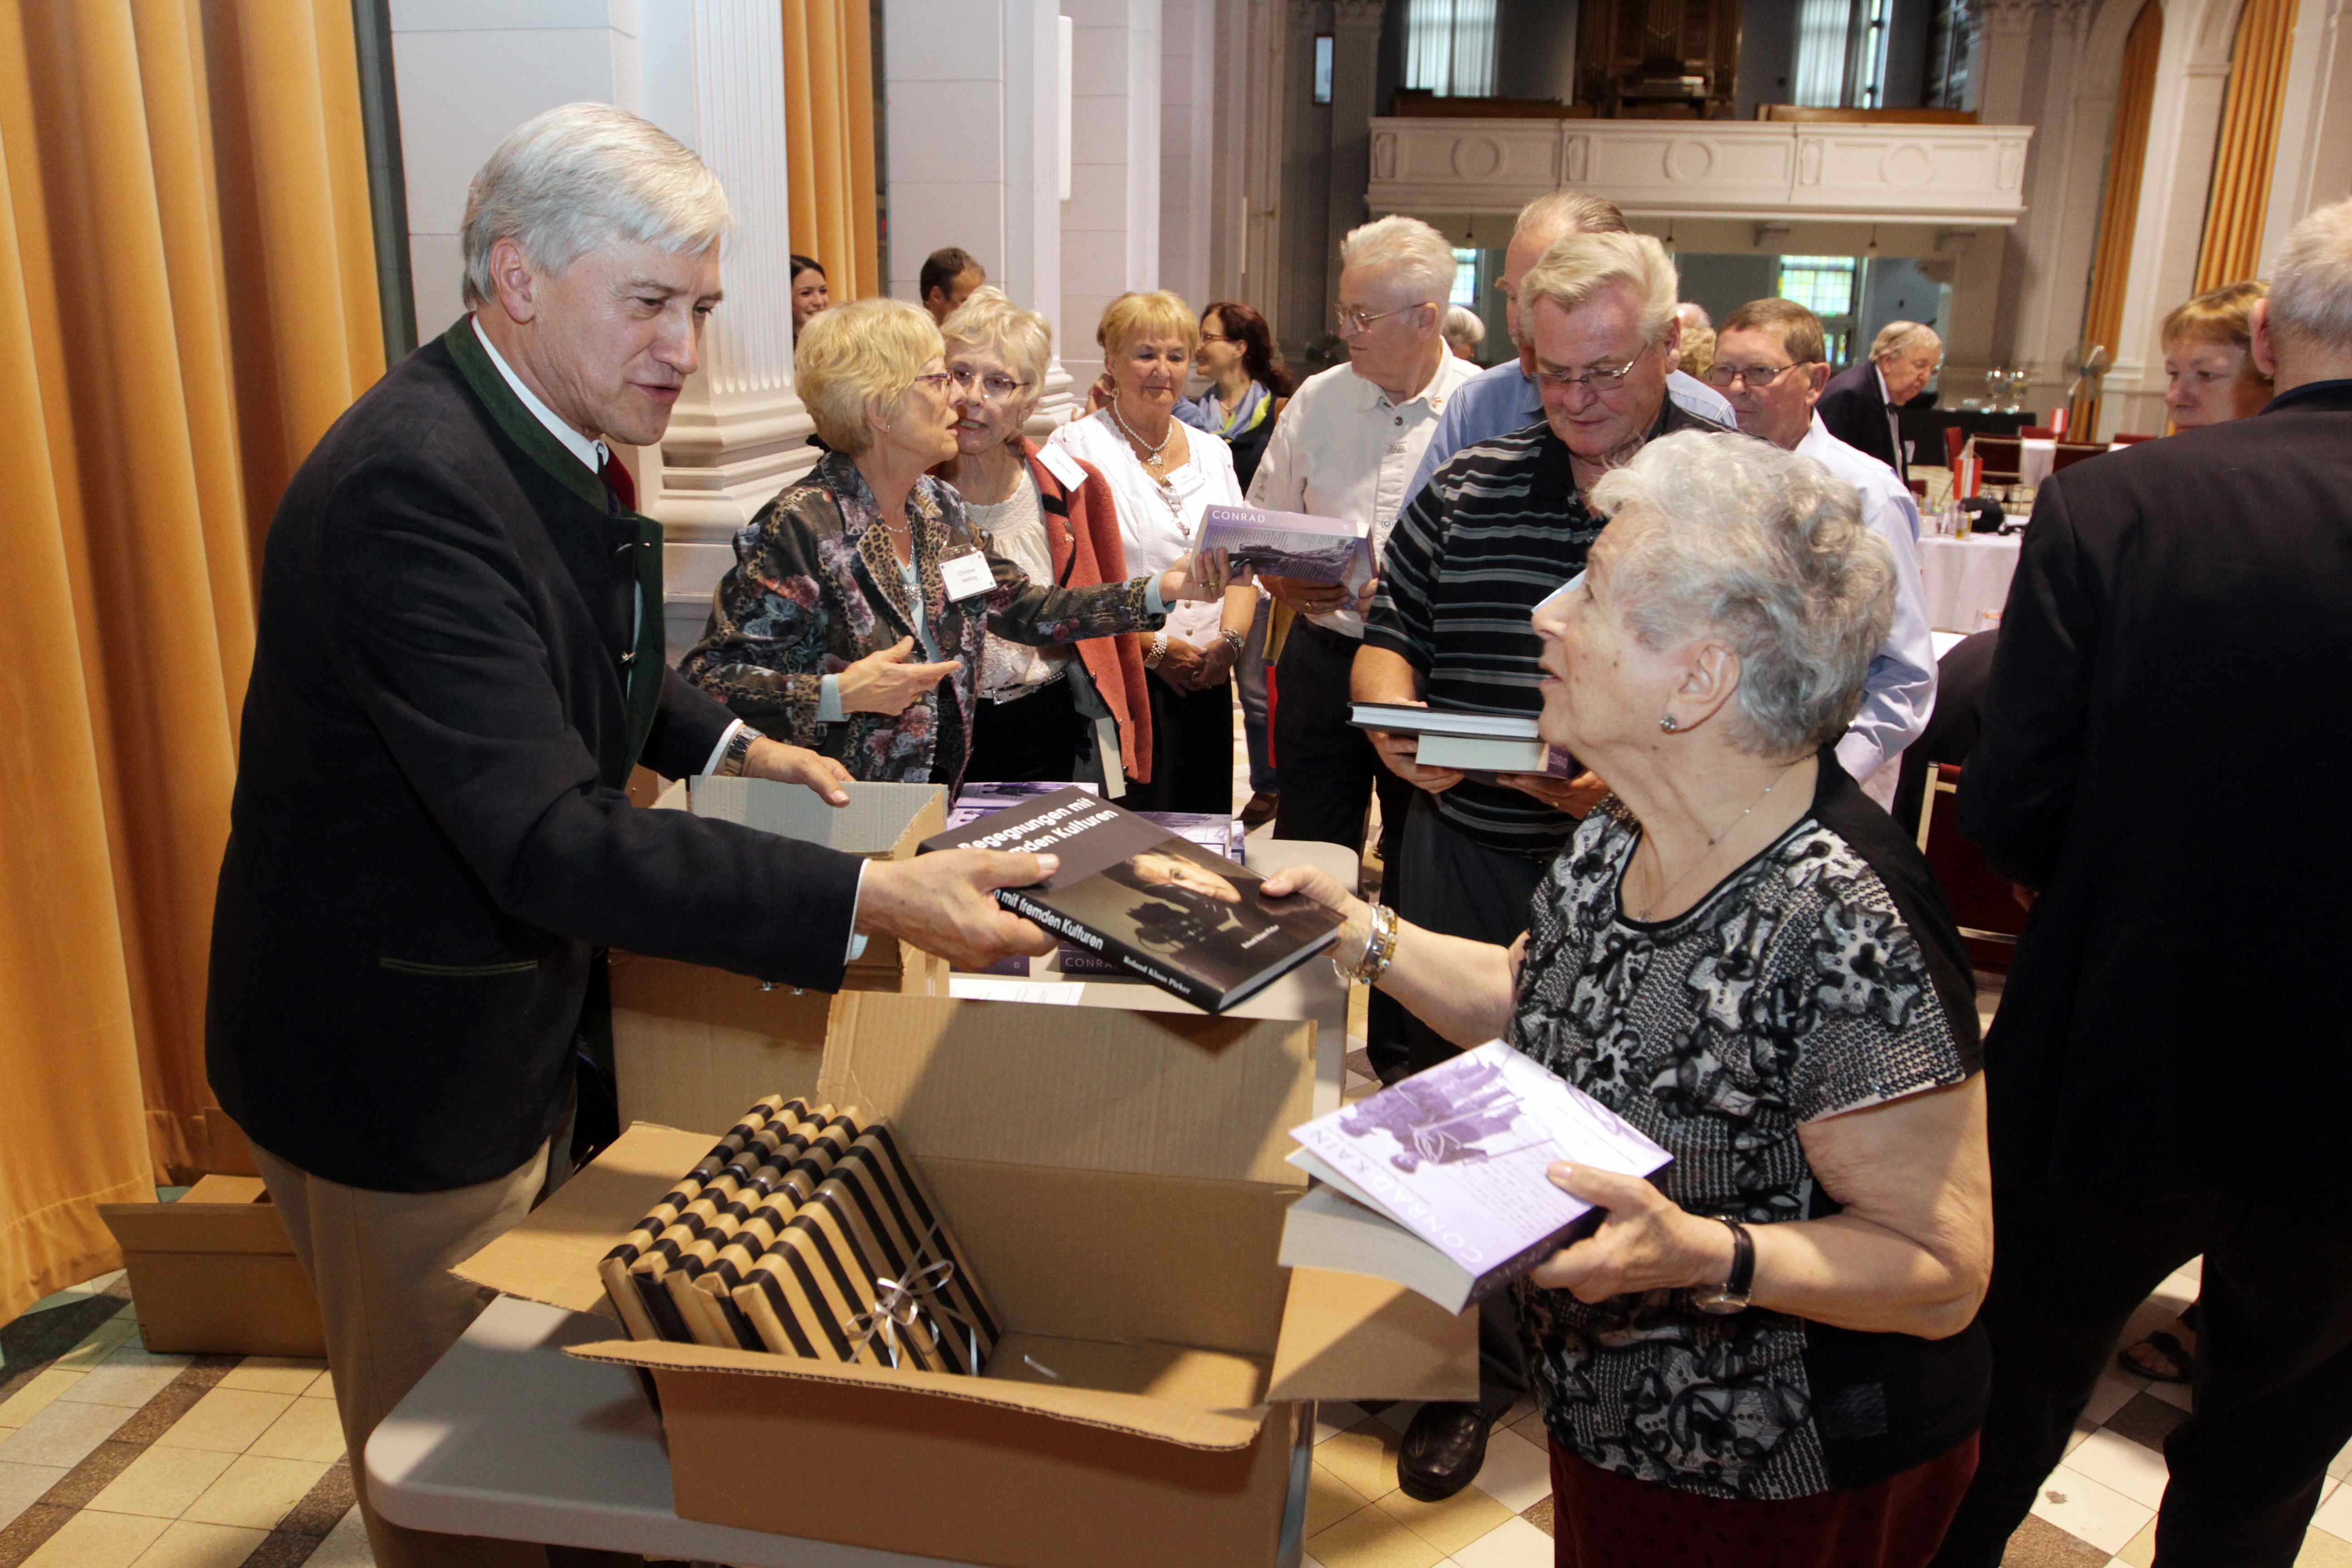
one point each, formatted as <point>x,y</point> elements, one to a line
<point>1500,525</point>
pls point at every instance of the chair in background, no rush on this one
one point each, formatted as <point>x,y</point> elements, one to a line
<point>2123,440</point>
<point>1982,902</point>
<point>2070,453</point>
<point>2040,433</point>
<point>2001,455</point>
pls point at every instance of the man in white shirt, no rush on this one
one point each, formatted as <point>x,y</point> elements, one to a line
<point>1347,448</point>
<point>1770,361</point>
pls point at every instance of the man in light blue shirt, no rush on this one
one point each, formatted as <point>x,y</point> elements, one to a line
<point>1505,399</point>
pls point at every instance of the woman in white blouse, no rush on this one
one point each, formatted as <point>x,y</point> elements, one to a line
<point>1163,476</point>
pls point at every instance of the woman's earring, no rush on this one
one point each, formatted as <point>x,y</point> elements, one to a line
<point>1668,725</point>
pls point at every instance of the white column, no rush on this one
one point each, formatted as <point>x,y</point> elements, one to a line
<point>972,93</point>
<point>714,78</point>
<point>467,74</point>
<point>2314,150</point>
<point>1110,224</point>
<point>1188,152</point>
<point>1251,117</point>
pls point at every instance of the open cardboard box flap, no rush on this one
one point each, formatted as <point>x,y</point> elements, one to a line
<point>219,1214</point>
<point>551,1257</point>
<point>1351,1336</point>
<point>1141,1415</point>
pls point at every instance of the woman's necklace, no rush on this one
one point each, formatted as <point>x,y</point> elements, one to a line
<point>1154,457</point>
<point>1705,854</point>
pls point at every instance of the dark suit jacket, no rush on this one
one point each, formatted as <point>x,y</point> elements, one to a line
<point>1962,677</point>
<point>1856,412</point>
<point>429,832</point>
<point>2165,697</point>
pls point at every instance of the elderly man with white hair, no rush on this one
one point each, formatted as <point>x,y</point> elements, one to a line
<point>1500,526</point>
<point>2168,1070</point>
<point>1346,448</point>
<point>1506,398</point>
<point>1859,403</point>
<point>458,663</point>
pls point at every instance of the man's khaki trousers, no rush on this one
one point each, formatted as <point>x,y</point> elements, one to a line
<point>380,1263</point>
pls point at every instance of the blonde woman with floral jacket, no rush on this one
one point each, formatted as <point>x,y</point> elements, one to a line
<point>851,622</point>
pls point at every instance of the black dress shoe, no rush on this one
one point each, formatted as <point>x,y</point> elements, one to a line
<point>1260,809</point>
<point>1443,1447</point>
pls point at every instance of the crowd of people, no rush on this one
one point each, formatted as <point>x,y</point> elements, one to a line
<point>1854,1320</point>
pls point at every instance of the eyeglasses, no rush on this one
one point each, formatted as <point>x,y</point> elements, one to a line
<point>1354,323</point>
<point>993,387</point>
<point>936,380</point>
<point>1597,380</point>
<point>1757,376</point>
<point>1217,338</point>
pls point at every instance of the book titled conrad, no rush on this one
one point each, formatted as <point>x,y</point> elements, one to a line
<point>1473,743</point>
<point>1439,1182</point>
<point>1288,544</point>
<point>1194,923</point>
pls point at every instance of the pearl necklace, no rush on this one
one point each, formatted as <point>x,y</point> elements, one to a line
<point>1153,458</point>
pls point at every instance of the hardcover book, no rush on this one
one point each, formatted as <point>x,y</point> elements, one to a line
<point>1288,544</point>
<point>1473,743</point>
<point>1439,1184</point>
<point>1191,922</point>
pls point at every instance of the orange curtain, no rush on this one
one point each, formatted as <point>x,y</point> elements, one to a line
<point>187,299</point>
<point>2119,214</point>
<point>2249,144</point>
<point>829,140</point>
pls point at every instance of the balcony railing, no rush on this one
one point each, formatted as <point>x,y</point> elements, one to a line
<point>1705,168</point>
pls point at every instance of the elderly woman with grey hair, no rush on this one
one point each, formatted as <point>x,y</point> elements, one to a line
<point>1767,1357</point>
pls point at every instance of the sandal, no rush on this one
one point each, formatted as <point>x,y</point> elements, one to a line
<point>2163,1343</point>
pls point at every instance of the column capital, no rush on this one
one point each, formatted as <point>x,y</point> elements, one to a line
<point>2009,18</point>
<point>1305,14</point>
<point>1358,15</point>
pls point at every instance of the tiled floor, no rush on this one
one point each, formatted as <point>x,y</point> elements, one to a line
<point>113,1457</point>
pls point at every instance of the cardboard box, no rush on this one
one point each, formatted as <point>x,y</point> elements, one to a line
<point>1118,1180</point>
<point>216,1272</point>
<point>881,822</point>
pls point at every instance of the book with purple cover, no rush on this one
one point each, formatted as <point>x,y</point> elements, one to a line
<point>1288,544</point>
<point>1438,1182</point>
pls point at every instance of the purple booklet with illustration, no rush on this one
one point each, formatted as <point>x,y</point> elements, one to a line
<point>1439,1182</point>
<point>1288,544</point>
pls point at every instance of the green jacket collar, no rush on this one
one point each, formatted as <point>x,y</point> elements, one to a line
<point>508,412</point>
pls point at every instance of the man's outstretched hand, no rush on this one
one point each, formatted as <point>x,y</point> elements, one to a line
<point>945,903</point>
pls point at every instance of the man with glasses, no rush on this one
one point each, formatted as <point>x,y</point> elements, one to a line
<point>1505,398</point>
<point>1859,403</point>
<point>1499,526</point>
<point>1770,361</point>
<point>1347,448</point>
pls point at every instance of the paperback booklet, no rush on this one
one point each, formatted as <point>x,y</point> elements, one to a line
<point>1193,923</point>
<point>1438,1182</point>
<point>1475,742</point>
<point>1288,544</point>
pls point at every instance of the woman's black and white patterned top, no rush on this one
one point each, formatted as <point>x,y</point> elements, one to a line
<point>1824,977</point>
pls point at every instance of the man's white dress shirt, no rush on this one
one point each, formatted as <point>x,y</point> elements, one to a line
<point>1901,690</point>
<point>1343,449</point>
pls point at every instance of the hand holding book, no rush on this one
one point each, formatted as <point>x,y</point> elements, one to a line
<point>1646,1242</point>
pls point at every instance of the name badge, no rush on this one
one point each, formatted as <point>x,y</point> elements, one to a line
<point>967,574</point>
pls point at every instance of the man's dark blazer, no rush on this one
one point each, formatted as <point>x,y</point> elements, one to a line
<point>1962,677</point>
<point>2166,696</point>
<point>429,830</point>
<point>1855,412</point>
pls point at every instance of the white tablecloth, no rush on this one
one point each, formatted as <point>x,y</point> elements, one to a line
<point>1967,579</point>
<point>2035,459</point>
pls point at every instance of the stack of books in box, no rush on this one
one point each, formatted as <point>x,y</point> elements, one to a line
<point>804,1233</point>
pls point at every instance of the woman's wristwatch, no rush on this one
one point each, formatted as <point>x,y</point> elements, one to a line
<point>1731,1295</point>
<point>1235,640</point>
